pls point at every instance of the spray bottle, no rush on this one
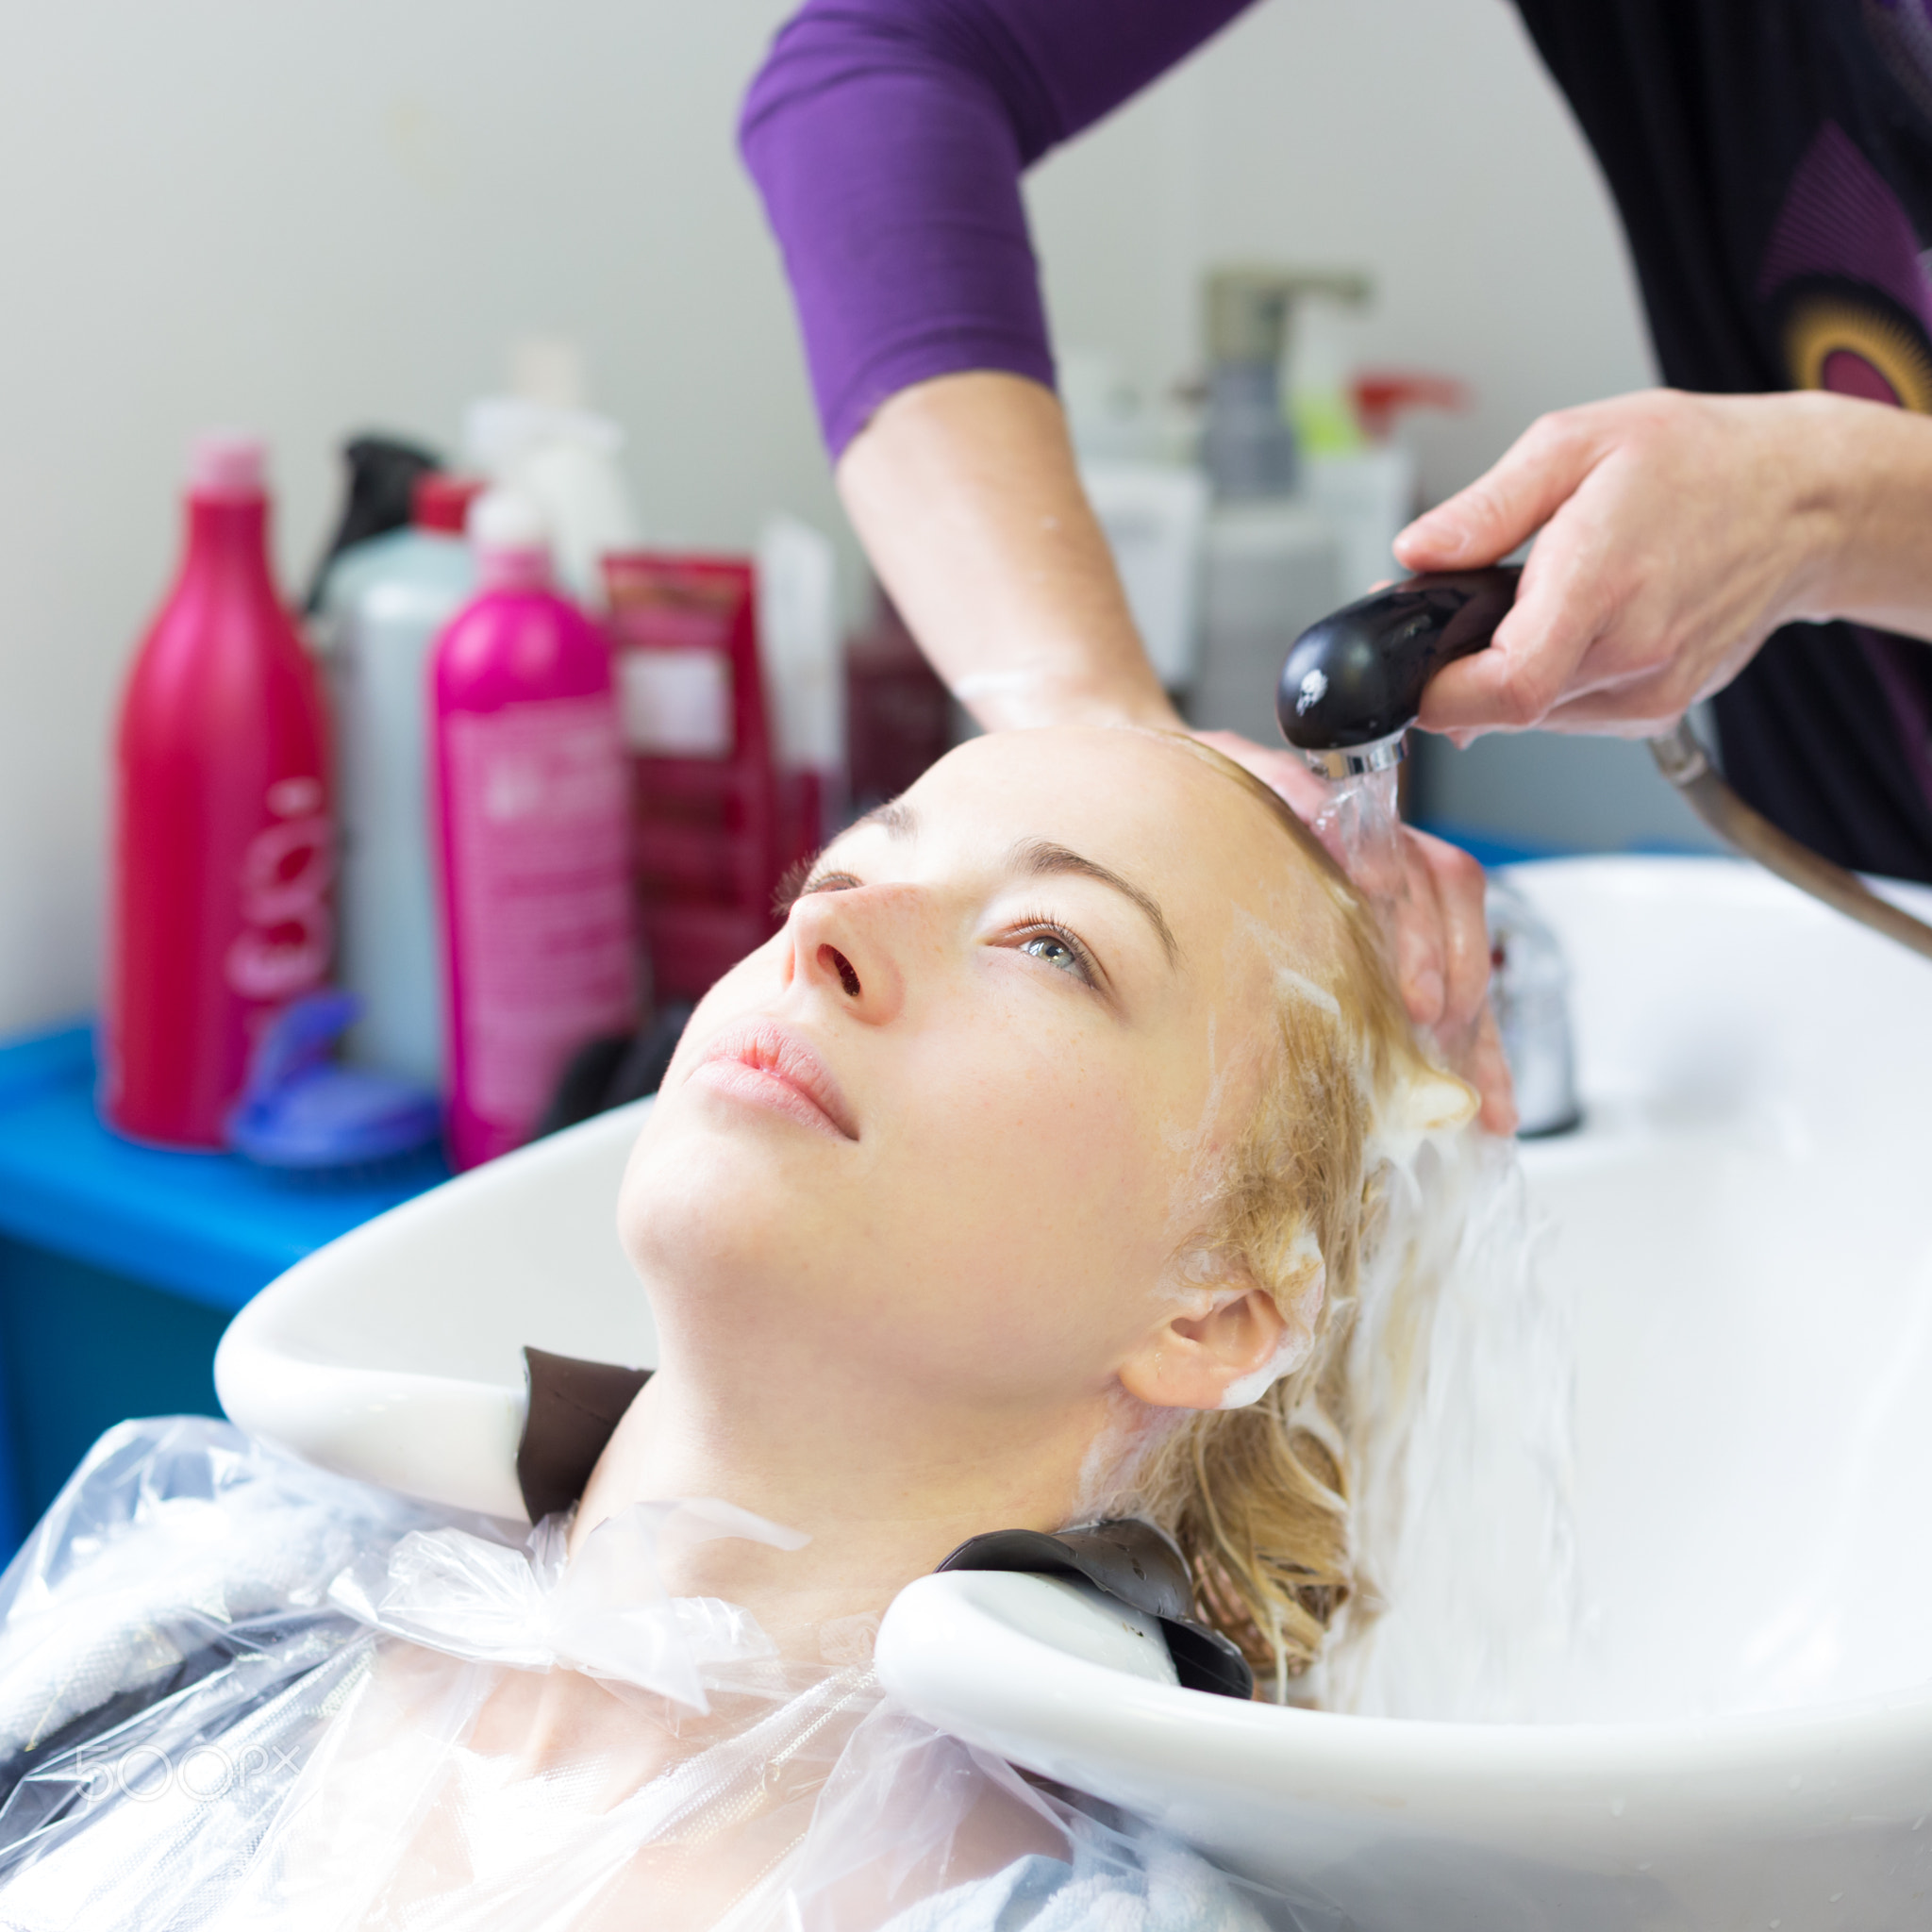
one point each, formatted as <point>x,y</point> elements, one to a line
<point>539,946</point>
<point>224,851</point>
<point>384,602</point>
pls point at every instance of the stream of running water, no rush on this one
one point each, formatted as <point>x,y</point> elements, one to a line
<point>1461,1375</point>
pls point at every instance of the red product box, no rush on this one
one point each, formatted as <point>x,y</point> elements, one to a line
<point>716,824</point>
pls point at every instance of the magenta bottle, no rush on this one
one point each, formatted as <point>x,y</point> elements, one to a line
<point>222,851</point>
<point>532,791</point>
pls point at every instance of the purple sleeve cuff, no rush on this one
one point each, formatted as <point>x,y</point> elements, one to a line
<point>889,137</point>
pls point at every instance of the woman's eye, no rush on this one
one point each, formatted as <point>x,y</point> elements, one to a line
<point>1061,950</point>
<point>801,879</point>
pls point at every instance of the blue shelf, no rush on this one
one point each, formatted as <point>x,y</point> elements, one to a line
<point>1491,851</point>
<point>206,1226</point>
<point>121,1265</point>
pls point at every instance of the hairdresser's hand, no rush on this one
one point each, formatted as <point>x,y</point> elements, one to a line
<point>1678,533</point>
<point>1440,935</point>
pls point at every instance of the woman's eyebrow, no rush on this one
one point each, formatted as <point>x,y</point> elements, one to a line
<point>1043,859</point>
<point>895,820</point>
<point>893,817</point>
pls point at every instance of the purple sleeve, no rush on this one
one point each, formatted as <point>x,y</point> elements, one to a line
<point>887,138</point>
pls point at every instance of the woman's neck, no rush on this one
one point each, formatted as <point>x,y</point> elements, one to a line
<point>885,1487</point>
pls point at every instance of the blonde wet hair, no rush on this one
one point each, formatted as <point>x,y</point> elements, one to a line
<point>1259,1497</point>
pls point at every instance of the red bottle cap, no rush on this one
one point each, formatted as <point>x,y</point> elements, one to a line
<point>441,502</point>
<point>1382,394</point>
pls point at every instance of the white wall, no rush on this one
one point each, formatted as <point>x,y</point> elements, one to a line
<point>311,218</point>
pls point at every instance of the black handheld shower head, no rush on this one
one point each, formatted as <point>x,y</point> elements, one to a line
<point>1352,683</point>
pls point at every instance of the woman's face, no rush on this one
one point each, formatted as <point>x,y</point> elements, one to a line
<point>957,1122</point>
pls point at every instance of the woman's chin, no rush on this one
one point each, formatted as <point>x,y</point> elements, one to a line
<point>740,1192</point>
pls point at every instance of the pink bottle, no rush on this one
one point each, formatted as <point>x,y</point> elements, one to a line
<point>532,790</point>
<point>223,846</point>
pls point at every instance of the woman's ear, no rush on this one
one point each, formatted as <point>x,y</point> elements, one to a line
<point>1196,1357</point>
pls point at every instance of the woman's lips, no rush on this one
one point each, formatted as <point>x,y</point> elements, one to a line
<point>769,1066</point>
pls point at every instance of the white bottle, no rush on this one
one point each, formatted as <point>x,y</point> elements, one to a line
<point>798,639</point>
<point>542,443</point>
<point>383,604</point>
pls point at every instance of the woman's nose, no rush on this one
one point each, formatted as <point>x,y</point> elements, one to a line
<point>852,946</point>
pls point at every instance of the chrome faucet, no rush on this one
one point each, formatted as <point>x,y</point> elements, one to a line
<point>1529,993</point>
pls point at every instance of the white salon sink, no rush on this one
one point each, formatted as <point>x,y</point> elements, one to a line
<point>1745,1222</point>
<point>395,1353</point>
<point>1746,1219</point>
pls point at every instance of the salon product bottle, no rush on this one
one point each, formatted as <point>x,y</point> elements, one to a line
<point>798,645</point>
<point>223,850</point>
<point>546,442</point>
<point>380,474</point>
<point>566,462</point>
<point>532,792</point>
<point>383,604</point>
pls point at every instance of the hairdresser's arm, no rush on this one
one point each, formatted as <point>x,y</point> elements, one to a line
<point>887,138</point>
<point>1678,533</point>
<point>965,495</point>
